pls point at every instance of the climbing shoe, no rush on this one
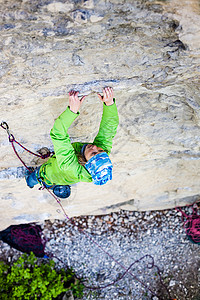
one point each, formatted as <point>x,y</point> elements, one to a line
<point>62,191</point>
<point>30,177</point>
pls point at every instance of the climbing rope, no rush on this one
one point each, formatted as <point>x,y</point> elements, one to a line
<point>12,140</point>
<point>127,270</point>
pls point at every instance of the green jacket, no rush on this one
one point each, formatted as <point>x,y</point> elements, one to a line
<point>63,167</point>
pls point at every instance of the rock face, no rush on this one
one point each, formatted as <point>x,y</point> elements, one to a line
<point>144,50</point>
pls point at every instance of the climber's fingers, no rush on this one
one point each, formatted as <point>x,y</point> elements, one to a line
<point>111,93</point>
<point>82,99</point>
<point>100,97</point>
<point>108,92</point>
<point>75,95</point>
<point>107,97</point>
<point>71,93</point>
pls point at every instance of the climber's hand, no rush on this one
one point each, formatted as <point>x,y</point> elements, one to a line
<point>107,97</point>
<point>74,102</point>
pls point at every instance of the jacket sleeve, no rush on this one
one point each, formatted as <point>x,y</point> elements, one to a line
<point>108,127</point>
<point>64,151</point>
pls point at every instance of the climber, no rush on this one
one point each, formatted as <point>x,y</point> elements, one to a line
<point>78,162</point>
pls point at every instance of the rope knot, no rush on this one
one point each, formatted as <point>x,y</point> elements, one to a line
<point>11,138</point>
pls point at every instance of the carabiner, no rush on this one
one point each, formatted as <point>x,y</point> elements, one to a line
<point>5,126</point>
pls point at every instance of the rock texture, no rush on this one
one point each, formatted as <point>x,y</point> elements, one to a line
<point>147,53</point>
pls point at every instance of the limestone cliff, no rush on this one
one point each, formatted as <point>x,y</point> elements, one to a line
<point>146,52</point>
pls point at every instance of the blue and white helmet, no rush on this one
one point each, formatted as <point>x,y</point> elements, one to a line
<point>100,168</point>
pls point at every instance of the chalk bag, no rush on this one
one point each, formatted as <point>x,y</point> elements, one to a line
<point>62,191</point>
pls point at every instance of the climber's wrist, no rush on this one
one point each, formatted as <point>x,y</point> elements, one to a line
<point>108,103</point>
<point>73,110</point>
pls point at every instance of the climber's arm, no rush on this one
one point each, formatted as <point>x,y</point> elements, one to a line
<point>64,151</point>
<point>109,121</point>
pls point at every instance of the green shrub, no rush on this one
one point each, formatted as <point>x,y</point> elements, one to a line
<point>29,278</point>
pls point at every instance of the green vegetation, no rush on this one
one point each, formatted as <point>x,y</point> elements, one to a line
<point>29,278</point>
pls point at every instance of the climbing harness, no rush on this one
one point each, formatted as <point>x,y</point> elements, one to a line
<point>12,140</point>
<point>192,223</point>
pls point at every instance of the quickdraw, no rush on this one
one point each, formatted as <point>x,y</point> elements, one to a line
<point>12,140</point>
